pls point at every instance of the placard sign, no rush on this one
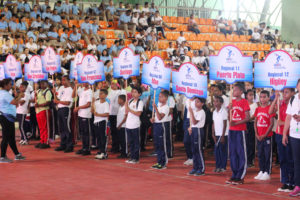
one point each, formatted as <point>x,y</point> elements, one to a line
<point>34,70</point>
<point>12,68</point>
<point>188,81</point>
<point>90,70</point>
<point>156,74</point>
<point>230,65</point>
<point>74,63</point>
<point>277,71</point>
<point>126,64</point>
<point>2,75</point>
<point>51,61</point>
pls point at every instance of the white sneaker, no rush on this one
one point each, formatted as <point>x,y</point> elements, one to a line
<point>265,177</point>
<point>188,162</point>
<point>25,143</point>
<point>259,175</point>
<point>21,141</point>
<point>99,156</point>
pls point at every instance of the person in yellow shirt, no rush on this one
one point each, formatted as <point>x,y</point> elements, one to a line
<point>43,114</point>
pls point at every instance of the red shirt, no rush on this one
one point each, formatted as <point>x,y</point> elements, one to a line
<point>282,113</point>
<point>263,120</point>
<point>238,113</point>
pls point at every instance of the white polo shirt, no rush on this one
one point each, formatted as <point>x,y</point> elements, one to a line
<point>187,105</point>
<point>101,108</point>
<point>65,94</point>
<point>218,118</point>
<point>200,117</point>
<point>171,104</point>
<point>85,96</point>
<point>23,109</point>
<point>120,116</point>
<point>292,110</point>
<point>163,109</point>
<point>133,121</point>
<point>113,98</point>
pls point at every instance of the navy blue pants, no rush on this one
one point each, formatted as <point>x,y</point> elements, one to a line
<point>159,134</point>
<point>115,146</point>
<point>169,139</point>
<point>123,141</point>
<point>250,142</point>
<point>84,131</point>
<point>286,161</point>
<point>238,154</point>
<point>187,139</point>
<point>198,160</point>
<point>64,117</point>
<point>264,154</point>
<point>221,152</point>
<point>21,121</point>
<point>133,136</point>
<point>295,144</point>
<point>101,137</point>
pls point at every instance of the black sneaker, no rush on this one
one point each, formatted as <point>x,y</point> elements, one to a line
<point>79,152</point>
<point>122,156</point>
<point>291,188</point>
<point>38,145</point>
<point>230,181</point>
<point>284,188</point>
<point>60,148</point>
<point>68,150</point>
<point>86,153</point>
<point>44,146</point>
<point>19,157</point>
<point>238,181</point>
<point>199,173</point>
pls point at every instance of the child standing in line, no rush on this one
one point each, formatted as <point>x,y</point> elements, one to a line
<point>84,116</point>
<point>284,152</point>
<point>263,131</point>
<point>250,134</point>
<point>220,134</point>
<point>134,109</point>
<point>22,111</point>
<point>239,110</point>
<point>187,137</point>
<point>121,120</point>
<point>101,114</point>
<point>159,129</point>
<point>196,131</point>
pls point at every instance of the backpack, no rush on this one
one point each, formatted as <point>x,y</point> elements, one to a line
<point>143,114</point>
<point>51,105</point>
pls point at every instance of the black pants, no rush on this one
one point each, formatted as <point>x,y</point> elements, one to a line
<point>8,136</point>
<point>84,131</point>
<point>93,135</point>
<point>144,128</point>
<point>21,121</point>
<point>115,146</point>
<point>295,144</point>
<point>123,141</point>
<point>33,122</point>
<point>100,131</point>
<point>64,117</point>
<point>250,142</point>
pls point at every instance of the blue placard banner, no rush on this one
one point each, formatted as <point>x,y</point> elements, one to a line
<point>74,63</point>
<point>51,61</point>
<point>33,70</point>
<point>90,70</point>
<point>277,71</point>
<point>126,64</point>
<point>230,65</point>
<point>2,75</point>
<point>156,74</point>
<point>189,81</point>
<point>12,68</point>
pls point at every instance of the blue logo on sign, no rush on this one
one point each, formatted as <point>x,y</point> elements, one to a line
<point>125,56</point>
<point>229,56</point>
<point>277,64</point>
<point>188,75</point>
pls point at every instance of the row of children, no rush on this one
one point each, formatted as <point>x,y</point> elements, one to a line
<point>233,125</point>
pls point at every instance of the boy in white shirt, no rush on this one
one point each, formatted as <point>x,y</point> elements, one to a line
<point>121,119</point>
<point>101,113</point>
<point>22,111</point>
<point>220,133</point>
<point>168,126</point>
<point>63,99</point>
<point>196,131</point>
<point>134,109</point>
<point>160,130</point>
<point>84,116</point>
